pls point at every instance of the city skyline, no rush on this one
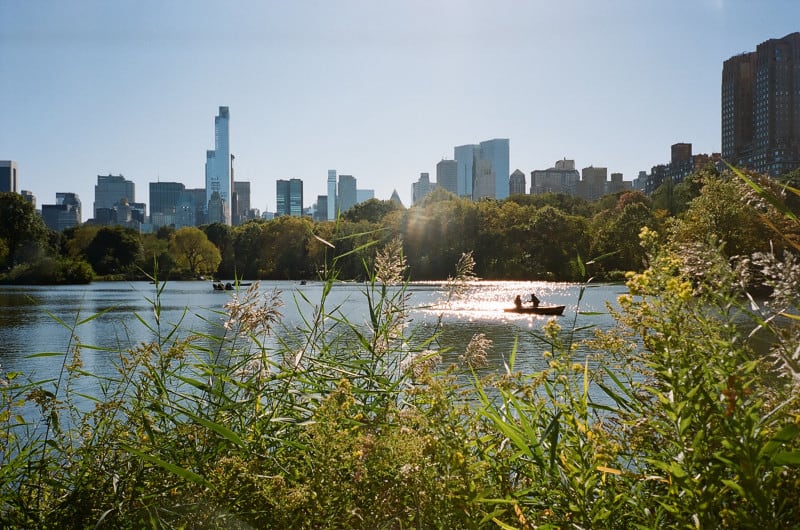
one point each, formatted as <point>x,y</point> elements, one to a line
<point>380,92</point>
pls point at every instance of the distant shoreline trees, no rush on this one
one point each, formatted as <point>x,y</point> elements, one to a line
<point>524,237</point>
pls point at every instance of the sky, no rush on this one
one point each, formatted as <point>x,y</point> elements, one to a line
<point>378,89</point>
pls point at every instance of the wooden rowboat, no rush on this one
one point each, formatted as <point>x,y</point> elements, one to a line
<point>538,310</point>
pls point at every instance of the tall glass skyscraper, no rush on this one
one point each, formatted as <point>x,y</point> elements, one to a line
<point>289,197</point>
<point>218,169</point>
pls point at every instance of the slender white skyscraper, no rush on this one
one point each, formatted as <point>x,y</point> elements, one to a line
<point>331,194</point>
<point>218,169</point>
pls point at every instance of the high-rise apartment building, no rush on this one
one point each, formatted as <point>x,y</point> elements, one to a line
<point>110,190</point>
<point>761,107</point>
<point>219,178</point>
<point>8,176</point>
<point>289,197</point>
<point>347,195</point>
<point>447,175</point>
<point>331,206</point>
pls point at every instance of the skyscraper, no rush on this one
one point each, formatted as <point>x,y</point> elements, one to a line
<point>447,175</point>
<point>110,190</point>
<point>65,213</point>
<point>289,197</point>
<point>496,151</point>
<point>348,195</point>
<point>490,176</point>
<point>761,107</point>
<point>331,194</point>
<point>241,190</point>
<point>164,202</point>
<point>8,176</point>
<point>465,156</point>
<point>516,183</point>
<point>218,170</point>
<point>421,188</point>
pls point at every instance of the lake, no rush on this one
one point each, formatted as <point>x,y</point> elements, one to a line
<point>29,317</point>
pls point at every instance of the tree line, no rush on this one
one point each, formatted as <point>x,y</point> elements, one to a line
<point>524,237</point>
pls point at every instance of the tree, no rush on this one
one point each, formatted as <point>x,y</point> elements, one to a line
<point>193,251</point>
<point>20,226</point>
<point>372,210</point>
<point>114,250</point>
<point>222,237</point>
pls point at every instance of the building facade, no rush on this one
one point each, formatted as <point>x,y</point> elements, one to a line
<point>347,195</point>
<point>8,176</point>
<point>289,197</point>
<point>516,183</point>
<point>241,194</point>
<point>65,213</point>
<point>483,170</point>
<point>421,188</point>
<point>110,190</point>
<point>164,198</point>
<point>331,206</point>
<point>561,178</point>
<point>447,175</point>
<point>761,107</point>
<point>219,177</point>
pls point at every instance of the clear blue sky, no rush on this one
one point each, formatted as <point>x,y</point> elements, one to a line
<point>378,89</point>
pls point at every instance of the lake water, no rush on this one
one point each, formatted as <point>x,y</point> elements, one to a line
<point>29,317</point>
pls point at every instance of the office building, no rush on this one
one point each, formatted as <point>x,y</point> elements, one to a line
<point>447,175</point>
<point>561,178</point>
<point>331,207</point>
<point>110,190</point>
<point>364,195</point>
<point>241,194</point>
<point>761,107</point>
<point>347,195</point>
<point>164,197</point>
<point>321,208</point>
<point>8,176</point>
<point>219,177</point>
<point>65,213</point>
<point>465,156</point>
<point>516,183</point>
<point>421,188</point>
<point>289,197</point>
<point>483,170</point>
<point>496,152</point>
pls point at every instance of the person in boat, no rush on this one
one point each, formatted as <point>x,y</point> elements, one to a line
<point>534,300</point>
<point>518,302</point>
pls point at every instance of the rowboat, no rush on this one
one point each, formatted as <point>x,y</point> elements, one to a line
<point>538,310</point>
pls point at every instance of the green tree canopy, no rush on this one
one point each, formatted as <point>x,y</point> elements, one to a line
<point>194,252</point>
<point>114,250</point>
<point>20,226</point>
<point>372,211</point>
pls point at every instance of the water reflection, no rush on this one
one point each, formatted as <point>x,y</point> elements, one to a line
<point>29,325</point>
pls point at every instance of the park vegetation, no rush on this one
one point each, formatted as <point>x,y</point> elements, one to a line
<point>523,237</point>
<point>367,425</point>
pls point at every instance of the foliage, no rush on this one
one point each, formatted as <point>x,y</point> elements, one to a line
<point>113,250</point>
<point>193,251</point>
<point>673,420</point>
<point>20,226</point>
<point>372,211</point>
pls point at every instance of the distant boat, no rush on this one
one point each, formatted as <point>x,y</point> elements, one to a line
<point>538,310</point>
<point>219,286</point>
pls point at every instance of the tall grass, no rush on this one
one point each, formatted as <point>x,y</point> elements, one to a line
<point>358,424</point>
